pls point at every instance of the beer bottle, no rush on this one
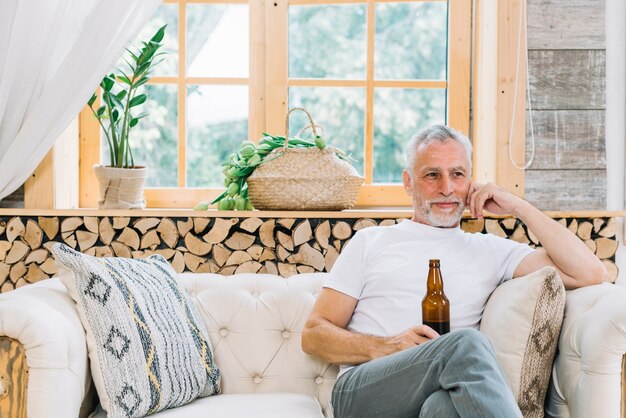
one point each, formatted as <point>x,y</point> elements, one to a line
<point>435,305</point>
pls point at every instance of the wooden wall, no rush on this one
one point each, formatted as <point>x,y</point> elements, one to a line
<point>14,200</point>
<point>566,55</point>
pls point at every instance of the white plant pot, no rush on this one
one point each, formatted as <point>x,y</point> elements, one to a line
<point>121,188</point>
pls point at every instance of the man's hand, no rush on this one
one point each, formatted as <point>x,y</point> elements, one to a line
<point>410,338</point>
<point>325,334</point>
<point>491,198</point>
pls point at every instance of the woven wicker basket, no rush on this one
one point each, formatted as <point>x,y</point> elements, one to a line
<point>304,179</point>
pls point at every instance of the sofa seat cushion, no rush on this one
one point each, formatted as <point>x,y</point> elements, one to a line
<point>246,405</point>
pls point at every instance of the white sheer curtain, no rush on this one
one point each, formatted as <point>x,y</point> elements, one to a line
<point>53,54</point>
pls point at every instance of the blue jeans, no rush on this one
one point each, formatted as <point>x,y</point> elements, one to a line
<point>455,375</point>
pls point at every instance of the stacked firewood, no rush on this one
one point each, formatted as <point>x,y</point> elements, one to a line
<point>284,246</point>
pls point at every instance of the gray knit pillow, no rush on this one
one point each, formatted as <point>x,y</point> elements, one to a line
<point>148,347</point>
<point>523,319</point>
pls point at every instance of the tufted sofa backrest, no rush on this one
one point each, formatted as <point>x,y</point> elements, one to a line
<point>255,325</point>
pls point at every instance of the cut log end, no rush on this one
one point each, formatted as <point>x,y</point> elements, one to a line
<point>33,234</point>
<point>121,222</point>
<point>219,231</point>
<point>145,224</point>
<point>322,234</point>
<point>302,233</point>
<point>50,226</point>
<point>342,230</point>
<point>266,233</point>
<point>197,246</point>
<point>168,232</point>
<point>15,228</point>
<point>106,231</point>
<point>239,241</point>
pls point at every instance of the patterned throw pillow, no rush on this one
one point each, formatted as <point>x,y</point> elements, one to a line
<point>523,319</point>
<point>148,347</point>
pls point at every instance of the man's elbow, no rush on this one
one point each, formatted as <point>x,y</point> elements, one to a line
<point>307,342</point>
<point>600,273</point>
<point>597,274</point>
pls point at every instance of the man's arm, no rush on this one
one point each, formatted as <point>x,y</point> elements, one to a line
<point>325,333</point>
<point>577,265</point>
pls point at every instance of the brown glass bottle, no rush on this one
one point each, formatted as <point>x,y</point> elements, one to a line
<point>435,305</point>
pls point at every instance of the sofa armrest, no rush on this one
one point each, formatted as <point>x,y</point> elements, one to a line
<point>588,371</point>
<point>43,319</point>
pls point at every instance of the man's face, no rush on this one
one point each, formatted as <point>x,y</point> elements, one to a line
<point>439,183</point>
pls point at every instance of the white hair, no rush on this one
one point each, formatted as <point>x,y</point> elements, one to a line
<point>435,133</point>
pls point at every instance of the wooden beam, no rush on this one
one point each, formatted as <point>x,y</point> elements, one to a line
<point>499,94</point>
<point>459,58</point>
<point>211,80</point>
<point>382,212</point>
<point>484,90</point>
<point>66,167</point>
<point>54,183</point>
<point>257,74</point>
<point>511,110</point>
<point>277,16</point>
<point>369,94</point>
<point>402,84</point>
<point>377,194</point>
<point>316,2</point>
<point>182,93</point>
<point>39,188</point>
<point>89,149</point>
<point>380,195</point>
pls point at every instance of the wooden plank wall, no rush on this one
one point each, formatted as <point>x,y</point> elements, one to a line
<point>566,55</point>
<point>14,200</point>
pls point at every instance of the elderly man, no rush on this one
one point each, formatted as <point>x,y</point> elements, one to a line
<point>368,316</point>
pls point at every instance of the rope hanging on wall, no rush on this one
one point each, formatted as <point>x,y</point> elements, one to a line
<point>522,21</point>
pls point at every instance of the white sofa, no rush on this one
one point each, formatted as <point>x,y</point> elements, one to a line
<point>255,323</point>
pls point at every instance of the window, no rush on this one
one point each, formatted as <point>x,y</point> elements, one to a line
<point>371,73</point>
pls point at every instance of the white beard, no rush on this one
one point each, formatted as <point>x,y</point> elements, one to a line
<point>442,220</point>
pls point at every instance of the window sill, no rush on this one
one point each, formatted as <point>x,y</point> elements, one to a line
<point>382,212</point>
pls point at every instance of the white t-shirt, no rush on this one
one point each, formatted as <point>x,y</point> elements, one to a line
<point>386,268</point>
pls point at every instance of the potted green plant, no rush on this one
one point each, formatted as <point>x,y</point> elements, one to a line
<point>122,182</point>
